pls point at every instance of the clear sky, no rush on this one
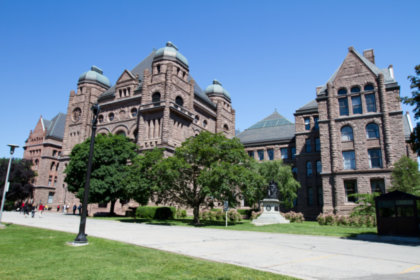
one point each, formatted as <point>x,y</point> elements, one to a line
<point>268,54</point>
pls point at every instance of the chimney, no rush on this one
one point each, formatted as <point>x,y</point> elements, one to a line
<point>391,71</point>
<point>410,124</point>
<point>318,89</point>
<point>369,55</point>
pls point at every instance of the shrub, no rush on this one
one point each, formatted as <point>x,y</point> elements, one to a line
<point>181,213</point>
<point>294,217</point>
<point>234,216</point>
<point>245,213</point>
<point>154,212</point>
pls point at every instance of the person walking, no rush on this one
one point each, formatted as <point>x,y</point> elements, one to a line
<point>74,209</point>
<point>58,208</point>
<point>80,209</point>
<point>41,210</point>
<point>22,206</point>
<point>33,210</point>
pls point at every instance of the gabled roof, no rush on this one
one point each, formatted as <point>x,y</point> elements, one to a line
<point>147,64</point>
<point>310,107</point>
<point>371,66</point>
<point>273,128</point>
<point>55,127</point>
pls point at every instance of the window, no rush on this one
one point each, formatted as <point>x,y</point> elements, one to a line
<point>111,116</point>
<point>179,101</point>
<point>310,196</point>
<point>342,91</point>
<point>320,196</point>
<point>226,128</point>
<point>316,126</point>
<point>346,133</point>
<point>134,112</point>
<point>205,123</point>
<point>260,154</point>
<point>377,185</point>
<point>56,167</point>
<point>308,147</point>
<point>293,152</point>
<point>50,197</point>
<point>349,161</point>
<point>369,87</point>
<point>375,158</point>
<point>344,106</point>
<point>156,97</point>
<point>350,187</point>
<point>370,102</point>
<point>357,104</point>
<point>120,132</point>
<point>196,119</point>
<point>55,181</point>
<point>49,181</point>
<point>355,89</point>
<point>372,131</point>
<point>101,118</point>
<point>52,166</point>
<point>270,153</point>
<point>294,171</point>
<point>283,152</point>
<point>318,167</point>
<point>251,154</point>
<point>54,153</point>
<point>307,123</point>
<point>317,145</point>
<point>308,169</point>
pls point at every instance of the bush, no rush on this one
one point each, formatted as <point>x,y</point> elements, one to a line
<point>234,216</point>
<point>181,213</point>
<point>154,212</point>
<point>352,221</point>
<point>245,213</point>
<point>294,217</point>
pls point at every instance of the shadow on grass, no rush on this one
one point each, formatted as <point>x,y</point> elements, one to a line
<point>176,222</point>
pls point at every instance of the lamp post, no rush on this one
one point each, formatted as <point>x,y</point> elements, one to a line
<point>6,183</point>
<point>81,237</point>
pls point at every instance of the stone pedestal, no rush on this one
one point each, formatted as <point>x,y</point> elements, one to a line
<point>271,213</point>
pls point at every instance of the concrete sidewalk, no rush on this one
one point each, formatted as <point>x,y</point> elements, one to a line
<point>302,256</point>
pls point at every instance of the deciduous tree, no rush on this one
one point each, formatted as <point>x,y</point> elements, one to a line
<point>406,176</point>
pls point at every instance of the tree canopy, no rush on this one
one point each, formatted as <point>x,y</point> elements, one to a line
<point>405,176</point>
<point>20,178</point>
<point>282,175</point>
<point>206,168</point>
<point>111,155</point>
<point>414,100</point>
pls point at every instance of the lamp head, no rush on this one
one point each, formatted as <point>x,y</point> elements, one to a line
<point>95,108</point>
<point>12,148</point>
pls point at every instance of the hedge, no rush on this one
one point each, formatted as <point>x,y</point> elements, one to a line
<point>156,212</point>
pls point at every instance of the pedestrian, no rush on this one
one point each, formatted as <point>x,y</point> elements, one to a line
<point>22,206</point>
<point>26,210</point>
<point>74,209</point>
<point>58,208</point>
<point>80,209</point>
<point>33,210</point>
<point>41,210</point>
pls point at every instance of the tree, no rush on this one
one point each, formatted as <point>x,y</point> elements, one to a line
<point>282,175</point>
<point>111,155</point>
<point>414,100</point>
<point>20,178</point>
<point>204,169</point>
<point>141,178</point>
<point>406,176</point>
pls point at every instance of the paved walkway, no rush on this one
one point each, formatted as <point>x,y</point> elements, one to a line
<point>306,257</point>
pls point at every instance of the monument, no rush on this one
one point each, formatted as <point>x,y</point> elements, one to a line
<point>271,208</point>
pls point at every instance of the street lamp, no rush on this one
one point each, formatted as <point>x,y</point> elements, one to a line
<point>81,237</point>
<point>6,183</point>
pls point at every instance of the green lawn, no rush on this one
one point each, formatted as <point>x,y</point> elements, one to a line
<point>309,228</point>
<point>31,253</point>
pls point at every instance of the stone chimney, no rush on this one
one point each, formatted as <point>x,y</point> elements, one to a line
<point>369,55</point>
<point>391,71</point>
<point>318,89</point>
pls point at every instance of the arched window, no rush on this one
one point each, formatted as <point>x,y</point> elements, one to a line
<point>120,132</point>
<point>101,118</point>
<point>342,91</point>
<point>179,101</point>
<point>56,167</point>
<point>156,97</point>
<point>196,119</point>
<point>355,89</point>
<point>346,133</point>
<point>372,131</point>
<point>134,112</point>
<point>52,166</point>
<point>368,87</point>
<point>205,123</point>
<point>226,128</point>
<point>111,116</point>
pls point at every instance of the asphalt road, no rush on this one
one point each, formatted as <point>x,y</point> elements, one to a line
<point>302,256</point>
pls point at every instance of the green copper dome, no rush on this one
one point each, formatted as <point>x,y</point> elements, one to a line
<point>217,88</point>
<point>95,74</point>
<point>170,52</point>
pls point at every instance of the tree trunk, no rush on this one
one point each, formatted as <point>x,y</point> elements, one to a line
<point>111,211</point>
<point>196,213</point>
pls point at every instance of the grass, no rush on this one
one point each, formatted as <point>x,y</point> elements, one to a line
<point>31,253</point>
<point>307,227</point>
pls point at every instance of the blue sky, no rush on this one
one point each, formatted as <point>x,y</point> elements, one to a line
<point>268,54</point>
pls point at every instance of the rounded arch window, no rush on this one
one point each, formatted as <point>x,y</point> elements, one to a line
<point>134,112</point>
<point>226,127</point>
<point>355,89</point>
<point>346,133</point>
<point>179,101</point>
<point>196,119</point>
<point>101,118</point>
<point>52,166</point>
<point>77,112</point>
<point>156,97</point>
<point>368,87</point>
<point>342,91</point>
<point>372,131</point>
<point>205,123</point>
<point>120,132</point>
<point>111,116</point>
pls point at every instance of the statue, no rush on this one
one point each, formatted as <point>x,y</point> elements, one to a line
<point>272,191</point>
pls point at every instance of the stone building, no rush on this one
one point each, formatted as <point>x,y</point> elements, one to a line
<point>156,104</point>
<point>344,142</point>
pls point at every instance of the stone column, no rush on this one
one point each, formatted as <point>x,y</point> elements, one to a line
<point>332,114</point>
